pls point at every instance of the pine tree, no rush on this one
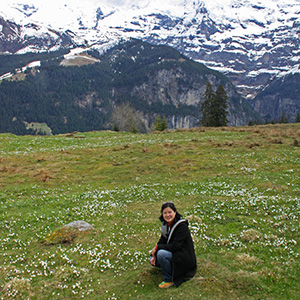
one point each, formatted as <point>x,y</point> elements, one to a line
<point>164,124</point>
<point>214,107</point>
<point>220,107</point>
<point>206,106</point>
<point>157,123</point>
<point>298,118</point>
<point>160,124</point>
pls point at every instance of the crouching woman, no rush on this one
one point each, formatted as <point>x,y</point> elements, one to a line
<point>174,252</point>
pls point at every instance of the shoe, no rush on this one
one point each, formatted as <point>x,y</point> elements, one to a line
<point>165,285</point>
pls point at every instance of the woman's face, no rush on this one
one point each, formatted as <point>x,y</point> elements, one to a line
<point>168,214</point>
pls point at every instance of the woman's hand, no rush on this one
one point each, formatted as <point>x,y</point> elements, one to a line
<point>153,258</point>
<point>153,261</point>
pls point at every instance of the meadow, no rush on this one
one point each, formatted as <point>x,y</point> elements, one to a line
<point>239,188</point>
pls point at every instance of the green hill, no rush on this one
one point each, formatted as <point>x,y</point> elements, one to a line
<point>237,186</point>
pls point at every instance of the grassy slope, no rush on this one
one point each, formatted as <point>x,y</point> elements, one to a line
<point>239,187</point>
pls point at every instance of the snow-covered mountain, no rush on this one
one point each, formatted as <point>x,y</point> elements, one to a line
<point>251,41</point>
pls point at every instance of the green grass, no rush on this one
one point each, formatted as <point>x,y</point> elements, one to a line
<point>239,188</point>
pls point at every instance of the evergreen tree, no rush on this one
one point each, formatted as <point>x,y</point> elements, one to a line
<point>214,107</point>
<point>160,124</point>
<point>157,123</point>
<point>206,106</point>
<point>220,107</point>
<point>298,118</point>
<point>164,124</point>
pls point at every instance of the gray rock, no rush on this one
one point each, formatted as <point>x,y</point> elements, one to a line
<point>80,225</point>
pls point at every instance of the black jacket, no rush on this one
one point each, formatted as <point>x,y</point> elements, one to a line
<point>179,242</point>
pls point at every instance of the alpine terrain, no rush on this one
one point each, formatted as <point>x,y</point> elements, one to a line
<point>254,43</point>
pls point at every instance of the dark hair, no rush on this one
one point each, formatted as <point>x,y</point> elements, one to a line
<point>172,206</point>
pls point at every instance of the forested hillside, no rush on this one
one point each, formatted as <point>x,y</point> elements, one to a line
<point>152,79</point>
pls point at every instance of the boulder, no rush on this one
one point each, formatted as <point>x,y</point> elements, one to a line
<point>79,225</point>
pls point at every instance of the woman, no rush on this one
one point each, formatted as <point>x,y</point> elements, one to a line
<point>174,252</point>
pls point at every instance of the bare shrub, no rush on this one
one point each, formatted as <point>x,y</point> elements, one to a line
<point>127,118</point>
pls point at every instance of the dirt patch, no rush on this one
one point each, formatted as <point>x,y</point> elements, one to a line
<point>43,175</point>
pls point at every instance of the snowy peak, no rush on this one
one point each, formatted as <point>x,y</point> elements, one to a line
<point>31,37</point>
<point>93,20</point>
<point>242,15</point>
